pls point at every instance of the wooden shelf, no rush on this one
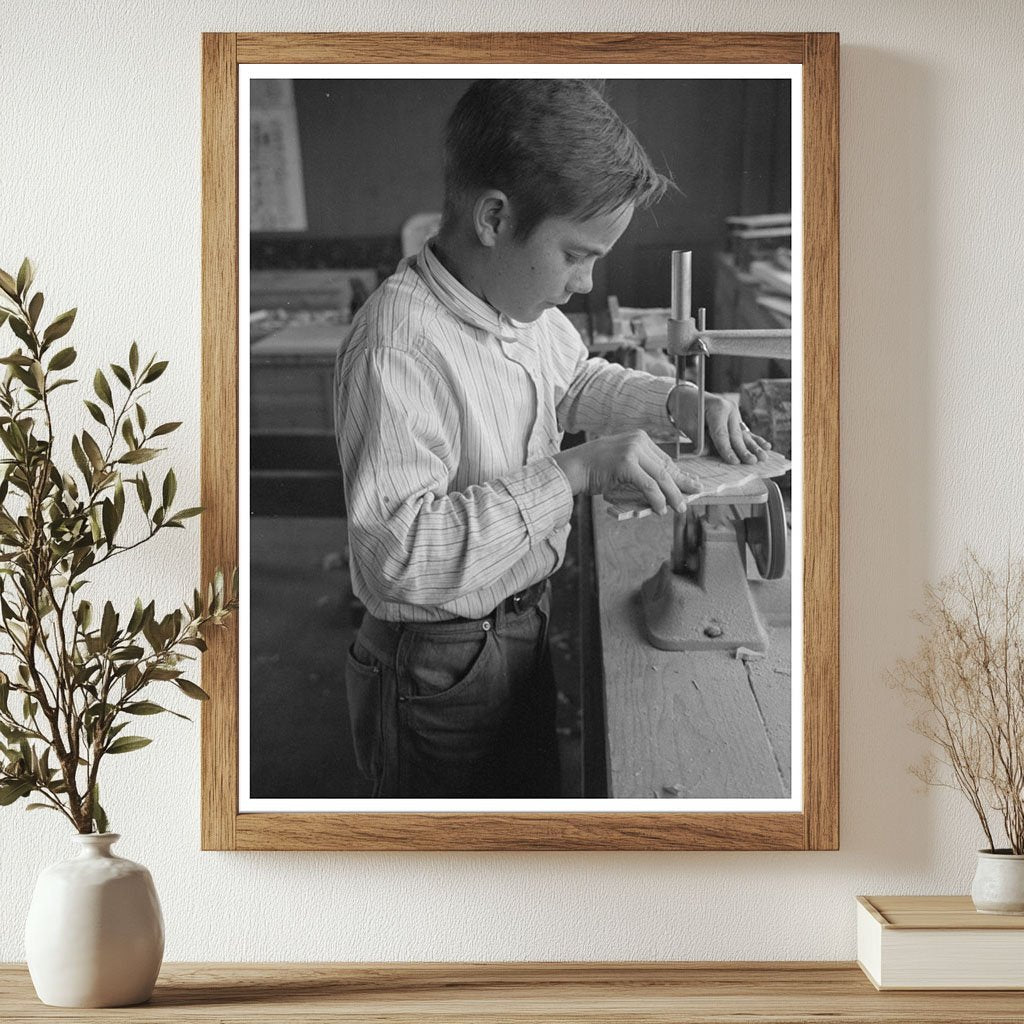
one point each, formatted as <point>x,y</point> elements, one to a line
<point>659,993</point>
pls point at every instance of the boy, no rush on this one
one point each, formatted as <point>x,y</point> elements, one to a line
<point>452,393</point>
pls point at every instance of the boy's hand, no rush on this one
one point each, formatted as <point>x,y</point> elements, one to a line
<point>627,462</point>
<point>729,435</point>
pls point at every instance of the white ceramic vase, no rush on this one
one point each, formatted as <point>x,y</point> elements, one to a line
<point>95,933</point>
<point>999,882</point>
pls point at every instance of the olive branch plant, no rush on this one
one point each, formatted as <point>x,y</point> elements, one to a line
<point>80,674</point>
<point>967,681</point>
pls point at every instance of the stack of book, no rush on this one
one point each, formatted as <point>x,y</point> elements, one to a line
<point>938,942</point>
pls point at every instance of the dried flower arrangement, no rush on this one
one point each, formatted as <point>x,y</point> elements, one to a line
<point>967,679</point>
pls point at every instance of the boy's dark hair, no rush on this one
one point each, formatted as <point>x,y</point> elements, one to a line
<point>552,145</point>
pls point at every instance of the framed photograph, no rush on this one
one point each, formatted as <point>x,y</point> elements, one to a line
<point>400,440</point>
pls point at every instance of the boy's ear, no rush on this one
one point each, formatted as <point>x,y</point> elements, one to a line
<point>492,216</point>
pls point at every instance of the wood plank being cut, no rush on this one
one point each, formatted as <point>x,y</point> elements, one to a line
<point>720,484</point>
<point>693,725</point>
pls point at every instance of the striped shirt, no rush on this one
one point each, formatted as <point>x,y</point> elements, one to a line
<point>447,414</point>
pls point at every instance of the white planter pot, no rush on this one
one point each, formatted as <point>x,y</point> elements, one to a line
<point>999,883</point>
<point>95,933</point>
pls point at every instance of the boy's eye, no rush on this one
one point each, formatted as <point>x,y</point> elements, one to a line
<point>574,257</point>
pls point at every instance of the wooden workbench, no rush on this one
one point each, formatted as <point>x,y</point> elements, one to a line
<point>794,993</point>
<point>698,725</point>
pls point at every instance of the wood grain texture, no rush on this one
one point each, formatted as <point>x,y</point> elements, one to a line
<point>219,430</point>
<point>821,440</point>
<point>528,993</point>
<point>936,912</point>
<point>222,826</point>
<point>521,47</point>
<point>615,831</point>
<point>680,723</point>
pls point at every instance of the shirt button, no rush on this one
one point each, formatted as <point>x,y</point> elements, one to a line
<point>486,625</point>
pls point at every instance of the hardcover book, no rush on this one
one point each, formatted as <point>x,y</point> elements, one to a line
<point>938,942</point>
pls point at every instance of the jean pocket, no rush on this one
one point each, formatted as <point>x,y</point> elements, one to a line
<point>454,697</point>
<point>366,712</point>
<point>443,669</point>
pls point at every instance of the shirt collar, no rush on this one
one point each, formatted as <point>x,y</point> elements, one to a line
<point>458,299</point>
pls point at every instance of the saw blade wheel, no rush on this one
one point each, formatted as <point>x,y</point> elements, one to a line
<point>766,534</point>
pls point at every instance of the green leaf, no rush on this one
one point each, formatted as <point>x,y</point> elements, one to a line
<point>26,274</point>
<point>108,627</point>
<point>7,283</point>
<point>138,455</point>
<point>135,622</point>
<point>125,744</point>
<point>191,690</point>
<point>80,459</point>
<point>154,371</point>
<point>4,314</point>
<point>128,433</point>
<point>185,513</point>
<point>60,326</point>
<point>16,359</point>
<point>92,449</point>
<point>133,358</point>
<point>95,711</point>
<point>164,673</point>
<point>102,388</point>
<point>20,328</point>
<point>140,415</point>
<point>63,359</point>
<point>99,816</point>
<point>11,791</point>
<point>12,733</point>
<point>95,412</point>
<point>109,521</point>
<point>151,632</point>
<point>165,428</point>
<point>34,308</point>
<point>129,653</point>
<point>170,487</point>
<point>146,499</point>
<point>147,707</point>
<point>84,615</point>
<point>121,374</point>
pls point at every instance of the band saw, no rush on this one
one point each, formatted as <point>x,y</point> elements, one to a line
<point>703,597</point>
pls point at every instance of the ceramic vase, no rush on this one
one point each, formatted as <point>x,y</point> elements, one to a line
<point>999,882</point>
<point>95,933</point>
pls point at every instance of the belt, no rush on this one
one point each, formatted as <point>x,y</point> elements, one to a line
<point>526,599</point>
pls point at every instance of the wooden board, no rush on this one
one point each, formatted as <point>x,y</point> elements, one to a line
<point>697,725</point>
<point>720,484</point>
<point>528,993</point>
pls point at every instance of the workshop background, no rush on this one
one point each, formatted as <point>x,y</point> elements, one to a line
<point>100,167</point>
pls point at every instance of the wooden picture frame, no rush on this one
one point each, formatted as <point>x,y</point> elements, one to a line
<point>816,826</point>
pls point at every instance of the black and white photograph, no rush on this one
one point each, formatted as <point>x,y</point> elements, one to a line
<point>521,404</point>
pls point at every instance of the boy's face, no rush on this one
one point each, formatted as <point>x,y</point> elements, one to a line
<point>550,266</point>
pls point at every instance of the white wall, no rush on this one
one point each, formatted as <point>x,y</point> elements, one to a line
<point>100,183</point>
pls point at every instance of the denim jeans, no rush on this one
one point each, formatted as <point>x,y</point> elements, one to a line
<point>464,708</point>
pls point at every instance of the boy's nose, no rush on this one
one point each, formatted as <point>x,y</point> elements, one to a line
<point>582,282</point>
